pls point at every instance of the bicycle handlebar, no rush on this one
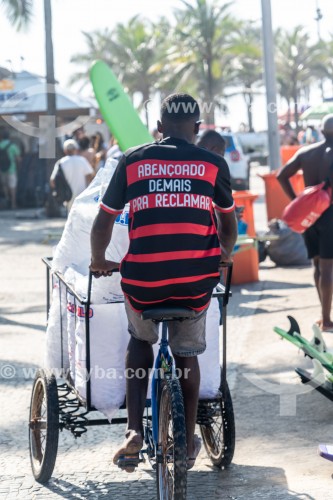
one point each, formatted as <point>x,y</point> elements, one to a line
<point>96,274</point>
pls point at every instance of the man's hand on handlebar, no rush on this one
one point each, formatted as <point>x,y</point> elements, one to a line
<point>103,268</point>
<point>225,260</point>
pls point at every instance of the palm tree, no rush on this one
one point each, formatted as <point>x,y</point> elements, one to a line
<point>247,64</point>
<point>323,66</point>
<point>295,61</point>
<point>19,12</point>
<point>131,49</point>
<point>203,38</point>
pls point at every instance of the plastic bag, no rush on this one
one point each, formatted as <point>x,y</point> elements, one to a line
<point>73,250</point>
<point>289,249</point>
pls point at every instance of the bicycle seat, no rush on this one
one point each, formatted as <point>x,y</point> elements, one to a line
<point>168,313</point>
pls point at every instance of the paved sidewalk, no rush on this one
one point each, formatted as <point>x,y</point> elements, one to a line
<point>277,438</point>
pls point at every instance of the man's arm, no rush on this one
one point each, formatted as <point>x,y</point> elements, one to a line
<point>54,173</point>
<point>112,205</point>
<point>100,238</point>
<point>89,172</point>
<point>227,232</point>
<point>89,178</point>
<point>225,212</point>
<point>16,153</point>
<point>283,176</point>
<point>330,179</point>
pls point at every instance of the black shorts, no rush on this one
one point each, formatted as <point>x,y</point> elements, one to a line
<point>319,237</point>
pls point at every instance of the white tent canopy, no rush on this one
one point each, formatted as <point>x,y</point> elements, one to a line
<point>25,93</point>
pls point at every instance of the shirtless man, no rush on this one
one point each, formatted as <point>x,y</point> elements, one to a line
<point>316,161</point>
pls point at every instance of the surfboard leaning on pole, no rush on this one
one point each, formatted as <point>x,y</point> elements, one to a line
<point>117,109</point>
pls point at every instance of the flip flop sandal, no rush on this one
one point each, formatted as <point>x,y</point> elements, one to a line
<point>130,448</point>
<point>197,448</point>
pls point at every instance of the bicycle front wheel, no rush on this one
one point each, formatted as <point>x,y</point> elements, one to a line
<point>171,458</point>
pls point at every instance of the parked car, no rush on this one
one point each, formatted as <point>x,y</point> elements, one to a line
<point>238,162</point>
<point>255,146</point>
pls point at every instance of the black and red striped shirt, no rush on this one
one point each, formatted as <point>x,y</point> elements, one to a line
<point>174,252</point>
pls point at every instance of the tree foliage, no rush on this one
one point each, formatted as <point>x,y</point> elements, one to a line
<point>203,50</point>
<point>18,12</point>
<point>296,59</point>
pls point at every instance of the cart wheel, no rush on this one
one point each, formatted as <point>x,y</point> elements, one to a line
<point>43,426</point>
<point>171,465</point>
<point>218,429</point>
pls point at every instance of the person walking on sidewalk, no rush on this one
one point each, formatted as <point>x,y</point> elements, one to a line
<point>77,170</point>
<point>173,188</point>
<point>316,161</point>
<point>11,157</point>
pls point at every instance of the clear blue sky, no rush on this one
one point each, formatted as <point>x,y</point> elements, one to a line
<point>71,17</point>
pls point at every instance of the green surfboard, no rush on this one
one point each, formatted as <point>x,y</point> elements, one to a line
<point>116,108</point>
<point>324,358</point>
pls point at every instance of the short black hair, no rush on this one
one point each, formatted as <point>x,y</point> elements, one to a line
<point>180,107</point>
<point>84,142</point>
<point>211,138</point>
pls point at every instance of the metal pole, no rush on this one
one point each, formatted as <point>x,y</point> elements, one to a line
<point>318,19</point>
<point>50,80</point>
<point>270,79</point>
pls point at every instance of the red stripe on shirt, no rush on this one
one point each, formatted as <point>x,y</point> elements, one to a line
<point>177,255</point>
<point>224,210</point>
<point>172,228</point>
<point>172,281</point>
<point>149,169</point>
<point>170,298</point>
<point>110,210</point>
<point>130,299</point>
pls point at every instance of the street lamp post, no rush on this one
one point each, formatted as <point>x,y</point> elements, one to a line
<point>318,18</point>
<point>49,121</point>
<point>270,80</point>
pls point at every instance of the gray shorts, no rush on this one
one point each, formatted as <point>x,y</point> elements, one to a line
<point>186,338</point>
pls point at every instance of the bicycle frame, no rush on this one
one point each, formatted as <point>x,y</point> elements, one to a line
<point>163,358</point>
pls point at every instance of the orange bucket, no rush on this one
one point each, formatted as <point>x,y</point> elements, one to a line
<point>246,263</point>
<point>287,152</point>
<point>276,199</point>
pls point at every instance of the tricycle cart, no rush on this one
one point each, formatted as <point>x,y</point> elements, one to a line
<point>57,405</point>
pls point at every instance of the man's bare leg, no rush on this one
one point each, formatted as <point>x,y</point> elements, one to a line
<point>12,194</point>
<point>326,291</point>
<point>140,357</point>
<point>316,276</point>
<point>189,381</point>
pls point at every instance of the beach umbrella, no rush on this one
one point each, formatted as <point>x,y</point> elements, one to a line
<point>317,112</point>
